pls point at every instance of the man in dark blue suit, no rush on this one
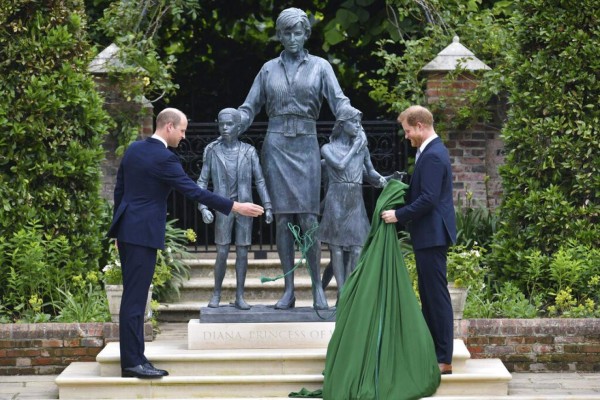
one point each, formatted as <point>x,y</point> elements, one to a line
<point>430,211</point>
<point>146,176</point>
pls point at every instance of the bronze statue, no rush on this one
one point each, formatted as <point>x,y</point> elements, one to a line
<point>232,165</point>
<point>291,87</point>
<point>344,225</point>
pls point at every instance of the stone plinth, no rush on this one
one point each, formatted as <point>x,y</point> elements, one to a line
<point>275,335</point>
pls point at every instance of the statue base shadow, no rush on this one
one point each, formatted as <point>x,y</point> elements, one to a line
<point>264,313</point>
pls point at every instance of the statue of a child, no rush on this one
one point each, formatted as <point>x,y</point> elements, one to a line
<point>232,165</point>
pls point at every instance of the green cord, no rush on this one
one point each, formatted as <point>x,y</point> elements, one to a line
<point>304,243</point>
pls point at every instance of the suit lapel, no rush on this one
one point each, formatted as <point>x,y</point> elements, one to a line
<point>429,146</point>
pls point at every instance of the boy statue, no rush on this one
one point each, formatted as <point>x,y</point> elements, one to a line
<point>231,165</point>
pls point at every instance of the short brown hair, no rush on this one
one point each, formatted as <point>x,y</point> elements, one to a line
<point>415,114</point>
<point>168,115</point>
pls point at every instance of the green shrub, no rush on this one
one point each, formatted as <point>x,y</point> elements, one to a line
<point>474,225</point>
<point>170,271</point>
<point>465,266</point>
<point>551,177</point>
<point>89,305</point>
<point>50,152</point>
<point>508,302</point>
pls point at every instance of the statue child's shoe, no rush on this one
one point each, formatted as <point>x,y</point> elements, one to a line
<point>214,301</point>
<point>240,304</point>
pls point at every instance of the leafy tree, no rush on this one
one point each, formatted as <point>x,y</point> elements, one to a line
<point>424,29</point>
<point>219,48</point>
<point>51,212</point>
<point>551,177</point>
<point>142,74</point>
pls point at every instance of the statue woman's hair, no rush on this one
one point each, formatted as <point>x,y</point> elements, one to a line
<point>289,17</point>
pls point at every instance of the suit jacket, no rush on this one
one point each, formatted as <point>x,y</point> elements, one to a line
<point>214,166</point>
<point>146,176</point>
<point>429,206</point>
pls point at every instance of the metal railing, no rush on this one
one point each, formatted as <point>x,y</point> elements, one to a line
<point>389,153</point>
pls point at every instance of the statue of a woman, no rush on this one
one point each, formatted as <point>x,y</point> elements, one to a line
<point>291,87</point>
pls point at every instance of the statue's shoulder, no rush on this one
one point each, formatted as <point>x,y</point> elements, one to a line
<point>271,63</point>
<point>316,59</point>
<point>211,147</point>
<point>247,148</point>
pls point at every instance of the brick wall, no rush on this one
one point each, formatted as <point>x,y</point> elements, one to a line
<point>535,345</point>
<point>47,349</point>
<point>476,152</point>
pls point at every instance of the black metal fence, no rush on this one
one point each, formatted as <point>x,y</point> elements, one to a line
<point>389,153</point>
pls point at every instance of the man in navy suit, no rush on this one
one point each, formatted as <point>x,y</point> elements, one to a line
<point>429,209</point>
<point>146,176</point>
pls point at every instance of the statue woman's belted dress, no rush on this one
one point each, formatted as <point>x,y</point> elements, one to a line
<point>291,158</point>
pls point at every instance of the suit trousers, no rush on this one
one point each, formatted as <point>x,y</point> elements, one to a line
<point>435,299</point>
<point>137,265</point>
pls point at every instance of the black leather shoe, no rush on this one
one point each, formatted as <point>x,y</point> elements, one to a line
<point>139,371</point>
<point>149,365</point>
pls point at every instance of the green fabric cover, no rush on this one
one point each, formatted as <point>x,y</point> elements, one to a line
<point>381,347</point>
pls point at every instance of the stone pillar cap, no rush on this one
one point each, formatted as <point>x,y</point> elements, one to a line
<point>455,56</point>
<point>108,60</point>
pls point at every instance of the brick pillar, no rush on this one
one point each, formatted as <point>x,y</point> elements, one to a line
<point>475,152</point>
<point>108,61</point>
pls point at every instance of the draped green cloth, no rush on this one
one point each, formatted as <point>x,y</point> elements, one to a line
<point>381,347</point>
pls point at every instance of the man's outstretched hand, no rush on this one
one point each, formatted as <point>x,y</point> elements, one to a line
<point>247,209</point>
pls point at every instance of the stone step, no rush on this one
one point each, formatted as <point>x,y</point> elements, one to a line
<point>201,290</point>
<point>482,379</point>
<point>176,358</point>
<point>179,361</point>
<point>82,380</point>
<point>257,268</point>
<point>198,291</point>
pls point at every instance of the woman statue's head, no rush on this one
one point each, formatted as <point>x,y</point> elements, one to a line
<point>289,18</point>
